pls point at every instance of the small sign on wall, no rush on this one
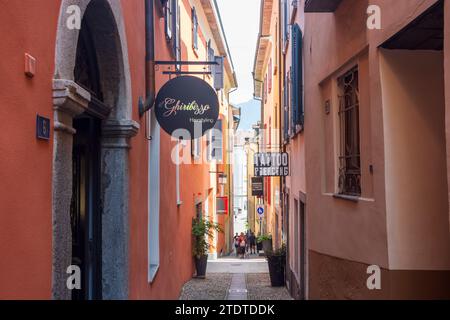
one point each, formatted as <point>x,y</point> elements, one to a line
<point>42,128</point>
<point>257,186</point>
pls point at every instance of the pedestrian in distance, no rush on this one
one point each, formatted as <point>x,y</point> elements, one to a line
<point>252,241</point>
<point>236,243</point>
<point>247,241</point>
<point>242,245</point>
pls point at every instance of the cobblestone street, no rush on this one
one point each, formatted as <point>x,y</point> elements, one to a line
<point>234,279</point>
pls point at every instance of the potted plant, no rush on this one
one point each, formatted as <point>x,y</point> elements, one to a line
<point>277,264</point>
<point>202,230</point>
<point>266,241</point>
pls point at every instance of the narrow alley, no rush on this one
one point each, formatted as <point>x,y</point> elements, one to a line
<point>232,278</point>
<point>240,150</point>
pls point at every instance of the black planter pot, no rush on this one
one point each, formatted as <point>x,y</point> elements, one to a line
<point>259,246</point>
<point>200,266</point>
<point>276,269</point>
<point>267,245</point>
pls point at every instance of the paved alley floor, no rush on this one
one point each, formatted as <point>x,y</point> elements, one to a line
<point>232,264</point>
<point>230,278</point>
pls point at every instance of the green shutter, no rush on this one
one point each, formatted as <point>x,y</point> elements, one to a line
<point>297,76</point>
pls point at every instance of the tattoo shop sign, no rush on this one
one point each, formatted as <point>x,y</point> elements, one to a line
<point>271,164</point>
<point>187,106</point>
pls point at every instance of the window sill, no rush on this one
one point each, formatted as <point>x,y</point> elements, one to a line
<point>153,272</point>
<point>346,197</point>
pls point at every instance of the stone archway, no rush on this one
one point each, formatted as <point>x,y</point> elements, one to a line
<point>105,21</point>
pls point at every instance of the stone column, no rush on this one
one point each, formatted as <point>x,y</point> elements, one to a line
<point>115,202</point>
<point>69,100</point>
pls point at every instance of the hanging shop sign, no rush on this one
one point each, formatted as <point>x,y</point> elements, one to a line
<point>222,205</point>
<point>271,164</point>
<point>257,186</point>
<point>187,103</point>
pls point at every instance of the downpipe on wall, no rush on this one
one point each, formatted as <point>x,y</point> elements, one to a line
<point>150,93</point>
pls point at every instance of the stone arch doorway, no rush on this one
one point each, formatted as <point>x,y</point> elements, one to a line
<point>92,103</point>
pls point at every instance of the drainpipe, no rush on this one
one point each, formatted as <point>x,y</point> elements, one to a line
<point>149,59</point>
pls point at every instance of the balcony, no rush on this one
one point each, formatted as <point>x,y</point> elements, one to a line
<point>321,5</point>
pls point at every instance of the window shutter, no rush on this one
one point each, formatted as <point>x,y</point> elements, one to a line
<point>301,107</point>
<point>286,107</point>
<point>217,150</point>
<point>218,73</point>
<point>294,92</point>
<point>270,76</point>
<point>210,55</point>
<point>285,22</point>
<point>177,32</point>
<point>168,18</point>
<point>297,77</point>
<point>266,88</point>
<point>194,29</point>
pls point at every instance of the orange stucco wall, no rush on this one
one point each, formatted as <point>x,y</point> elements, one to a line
<point>25,162</point>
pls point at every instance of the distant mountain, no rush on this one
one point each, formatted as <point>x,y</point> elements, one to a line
<point>250,114</point>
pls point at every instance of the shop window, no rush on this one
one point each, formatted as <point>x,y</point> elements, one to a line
<point>349,158</point>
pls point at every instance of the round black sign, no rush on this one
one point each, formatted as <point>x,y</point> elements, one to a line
<point>187,103</point>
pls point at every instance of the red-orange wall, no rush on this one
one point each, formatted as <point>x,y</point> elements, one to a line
<point>25,163</point>
<point>176,262</point>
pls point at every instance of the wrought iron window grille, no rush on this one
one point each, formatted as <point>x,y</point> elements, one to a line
<point>350,158</point>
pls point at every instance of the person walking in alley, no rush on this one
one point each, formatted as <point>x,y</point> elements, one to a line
<point>247,242</point>
<point>236,243</point>
<point>242,245</point>
<point>252,243</point>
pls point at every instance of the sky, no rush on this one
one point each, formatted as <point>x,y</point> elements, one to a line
<point>240,19</point>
